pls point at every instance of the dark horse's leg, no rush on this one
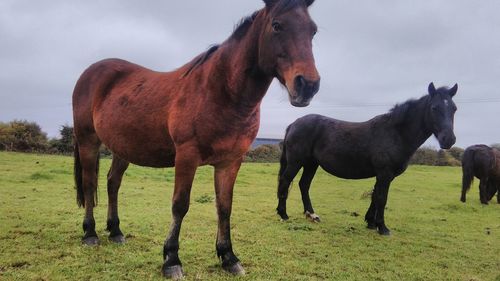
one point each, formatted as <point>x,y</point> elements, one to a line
<point>305,184</point>
<point>115,174</point>
<point>185,169</point>
<point>483,191</point>
<point>370,214</point>
<point>225,177</point>
<point>89,161</point>
<point>283,184</point>
<point>375,214</point>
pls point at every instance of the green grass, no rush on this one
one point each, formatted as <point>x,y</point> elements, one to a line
<point>434,235</point>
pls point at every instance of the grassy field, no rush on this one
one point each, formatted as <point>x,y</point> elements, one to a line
<point>434,235</point>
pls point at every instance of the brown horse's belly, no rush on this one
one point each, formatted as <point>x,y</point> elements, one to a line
<point>141,140</point>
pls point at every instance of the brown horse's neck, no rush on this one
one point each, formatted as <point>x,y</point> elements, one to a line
<point>236,61</point>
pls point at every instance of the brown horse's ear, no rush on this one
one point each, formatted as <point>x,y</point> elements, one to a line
<point>270,3</point>
<point>453,90</point>
<point>309,2</point>
<point>432,89</point>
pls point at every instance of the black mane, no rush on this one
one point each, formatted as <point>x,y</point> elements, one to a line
<point>200,59</point>
<point>400,111</point>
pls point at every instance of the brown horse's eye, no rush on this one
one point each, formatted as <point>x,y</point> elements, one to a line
<point>276,26</point>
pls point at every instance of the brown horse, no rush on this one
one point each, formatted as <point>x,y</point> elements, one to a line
<point>483,162</point>
<point>205,113</point>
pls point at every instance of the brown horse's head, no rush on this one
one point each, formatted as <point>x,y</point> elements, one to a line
<point>285,48</point>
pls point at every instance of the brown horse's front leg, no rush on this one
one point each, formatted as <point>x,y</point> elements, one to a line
<point>185,169</point>
<point>225,176</point>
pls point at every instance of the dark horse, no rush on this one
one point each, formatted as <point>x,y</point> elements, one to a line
<point>380,147</point>
<point>482,162</point>
<point>205,113</point>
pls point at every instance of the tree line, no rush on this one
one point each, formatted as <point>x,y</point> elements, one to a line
<point>26,136</point>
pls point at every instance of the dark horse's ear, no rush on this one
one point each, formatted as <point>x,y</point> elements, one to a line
<point>432,89</point>
<point>453,90</point>
<point>309,2</point>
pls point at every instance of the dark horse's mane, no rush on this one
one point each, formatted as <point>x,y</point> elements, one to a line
<point>240,30</point>
<point>399,112</point>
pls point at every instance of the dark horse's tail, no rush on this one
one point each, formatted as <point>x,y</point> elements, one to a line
<point>283,161</point>
<point>467,172</point>
<point>80,198</point>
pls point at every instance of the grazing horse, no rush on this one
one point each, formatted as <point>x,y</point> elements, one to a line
<point>206,112</point>
<point>482,162</point>
<point>380,147</point>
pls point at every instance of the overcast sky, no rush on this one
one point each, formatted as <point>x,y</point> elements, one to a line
<point>370,54</point>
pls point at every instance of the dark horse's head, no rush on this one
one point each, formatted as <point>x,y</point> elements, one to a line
<point>285,48</point>
<point>442,113</point>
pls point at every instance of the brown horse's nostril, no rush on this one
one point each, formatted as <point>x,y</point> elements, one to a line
<point>306,88</point>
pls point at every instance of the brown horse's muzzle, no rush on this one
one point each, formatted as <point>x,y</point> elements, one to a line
<point>304,90</point>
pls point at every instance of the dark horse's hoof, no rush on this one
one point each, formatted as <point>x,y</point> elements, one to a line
<point>235,269</point>
<point>312,217</point>
<point>371,225</point>
<point>384,231</point>
<point>172,272</point>
<point>283,215</point>
<point>90,241</point>
<point>118,239</point>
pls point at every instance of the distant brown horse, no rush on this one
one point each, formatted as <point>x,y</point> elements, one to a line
<point>205,113</point>
<point>483,162</point>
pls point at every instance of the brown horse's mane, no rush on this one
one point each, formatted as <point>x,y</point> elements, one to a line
<point>240,30</point>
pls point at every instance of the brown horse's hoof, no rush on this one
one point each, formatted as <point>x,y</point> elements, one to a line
<point>90,241</point>
<point>172,272</point>
<point>235,269</point>
<point>118,239</point>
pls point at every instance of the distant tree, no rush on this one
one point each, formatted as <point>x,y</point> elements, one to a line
<point>456,152</point>
<point>267,153</point>
<point>21,135</point>
<point>65,143</point>
<point>424,156</point>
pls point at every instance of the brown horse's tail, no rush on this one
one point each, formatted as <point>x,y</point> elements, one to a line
<point>467,172</point>
<point>78,173</point>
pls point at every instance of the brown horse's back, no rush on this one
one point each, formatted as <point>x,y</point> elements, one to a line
<point>109,98</point>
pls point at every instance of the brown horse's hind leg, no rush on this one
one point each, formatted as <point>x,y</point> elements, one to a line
<point>185,168</point>
<point>115,175</point>
<point>483,193</point>
<point>89,160</point>
<point>225,178</point>
<point>305,184</point>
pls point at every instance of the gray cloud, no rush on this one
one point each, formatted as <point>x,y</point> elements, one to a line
<point>371,54</point>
